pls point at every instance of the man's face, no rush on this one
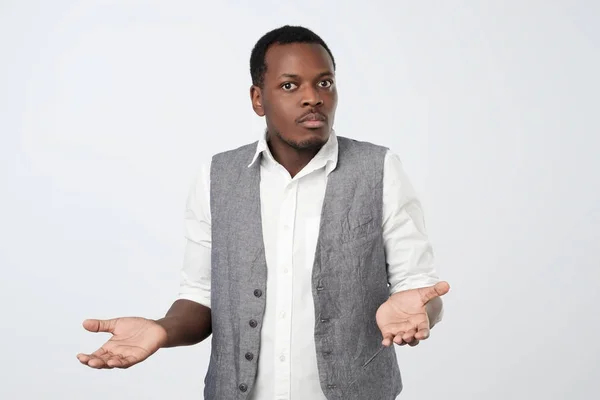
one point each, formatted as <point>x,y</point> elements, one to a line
<point>299,96</point>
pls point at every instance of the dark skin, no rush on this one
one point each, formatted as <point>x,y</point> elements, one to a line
<point>300,80</point>
<point>298,100</point>
<point>134,339</point>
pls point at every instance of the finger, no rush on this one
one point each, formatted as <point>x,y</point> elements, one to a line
<point>100,325</point>
<point>122,362</point>
<point>422,331</point>
<point>97,363</point>
<point>83,358</point>
<point>387,339</point>
<point>130,360</point>
<point>116,362</point>
<point>414,342</point>
<point>98,359</point>
<point>431,292</point>
<point>422,334</point>
<point>390,331</point>
<point>398,338</point>
<point>409,336</point>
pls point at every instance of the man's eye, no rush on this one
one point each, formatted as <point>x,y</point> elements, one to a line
<point>325,84</point>
<point>288,86</point>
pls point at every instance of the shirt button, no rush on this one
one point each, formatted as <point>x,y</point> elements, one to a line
<point>257,293</point>
<point>253,323</point>
<point>282,358</point>
<point>243,387</point>
<point>249,356</point>
<point>285,270</point>
<point>282,315</point>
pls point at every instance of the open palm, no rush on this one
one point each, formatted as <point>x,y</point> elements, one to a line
<point>403,317</point>
<point>133,340</point>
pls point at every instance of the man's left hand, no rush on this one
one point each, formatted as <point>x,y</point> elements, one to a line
<point>403,318</point>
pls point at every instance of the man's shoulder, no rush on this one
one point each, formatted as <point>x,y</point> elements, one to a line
<point>239,155</point>
<point>240,150</point>
<point>362,146</point>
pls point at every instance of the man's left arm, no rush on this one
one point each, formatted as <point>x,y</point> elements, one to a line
<point>408,250</point>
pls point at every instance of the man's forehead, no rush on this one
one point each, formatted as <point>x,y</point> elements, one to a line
<point>294,58</point>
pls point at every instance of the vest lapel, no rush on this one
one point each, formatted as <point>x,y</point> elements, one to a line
<point>246,233</point>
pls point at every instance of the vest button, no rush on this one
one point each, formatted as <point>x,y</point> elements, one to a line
<point>253,323</point>
<point>257,292</point>
<point>243,387</point>
<point>331,386</point>
<point>319,288</point>
<point>249,356</point>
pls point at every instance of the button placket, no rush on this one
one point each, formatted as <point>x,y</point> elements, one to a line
<point>284,268</point>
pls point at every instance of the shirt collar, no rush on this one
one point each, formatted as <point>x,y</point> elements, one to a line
<point>327,155</point>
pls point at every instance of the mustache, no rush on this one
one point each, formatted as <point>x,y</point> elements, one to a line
<point>312,116</point>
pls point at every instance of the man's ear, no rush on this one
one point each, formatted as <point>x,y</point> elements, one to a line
<point>256,97</point>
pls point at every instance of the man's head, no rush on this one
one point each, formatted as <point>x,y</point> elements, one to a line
<point>293,86</point>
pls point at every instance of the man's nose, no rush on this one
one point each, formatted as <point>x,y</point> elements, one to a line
<point>311,98</point>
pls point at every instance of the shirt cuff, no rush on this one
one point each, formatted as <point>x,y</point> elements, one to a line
<point>196,297</point>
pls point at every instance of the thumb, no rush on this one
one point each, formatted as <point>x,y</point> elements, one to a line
<point>431,292</point>
<point>99,325</point>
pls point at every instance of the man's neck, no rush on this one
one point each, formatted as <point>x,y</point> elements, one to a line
<point>292,159</point>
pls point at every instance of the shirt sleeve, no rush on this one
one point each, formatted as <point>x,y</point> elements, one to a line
<point>196,269</point>
<point>408,251</point>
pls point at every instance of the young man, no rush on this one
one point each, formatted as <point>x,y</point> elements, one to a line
<point>307,256</point>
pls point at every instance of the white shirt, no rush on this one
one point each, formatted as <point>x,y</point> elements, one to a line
<point>291,212</point>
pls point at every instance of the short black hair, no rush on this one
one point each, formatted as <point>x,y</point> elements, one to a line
<point>286,34</point>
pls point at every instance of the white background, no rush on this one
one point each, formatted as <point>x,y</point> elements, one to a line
<point>107,108</point>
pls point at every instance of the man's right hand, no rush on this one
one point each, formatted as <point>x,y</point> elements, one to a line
<point>133,340</point>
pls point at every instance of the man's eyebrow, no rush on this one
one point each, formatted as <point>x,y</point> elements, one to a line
<point>325,73</point>
<point>296,76</point>
<point>291,76</point>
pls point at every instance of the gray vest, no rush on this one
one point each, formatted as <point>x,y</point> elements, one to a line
<point>349,278</point>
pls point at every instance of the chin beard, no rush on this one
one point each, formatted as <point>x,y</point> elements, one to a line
<point>309,144</point>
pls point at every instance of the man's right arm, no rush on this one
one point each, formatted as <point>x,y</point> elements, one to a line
<point>188,321</point>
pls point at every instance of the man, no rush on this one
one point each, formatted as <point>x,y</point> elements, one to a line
<point>306,257</point>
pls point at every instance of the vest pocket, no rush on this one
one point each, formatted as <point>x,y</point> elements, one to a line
<point>365,366</point>
<point>377,378</point>
<point>373,356</point>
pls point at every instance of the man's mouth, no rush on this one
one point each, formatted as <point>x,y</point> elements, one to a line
<point>313,120</point>
<point>313,124</point>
